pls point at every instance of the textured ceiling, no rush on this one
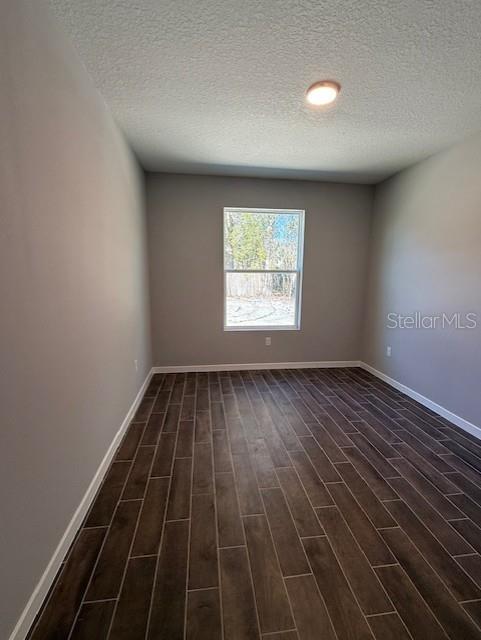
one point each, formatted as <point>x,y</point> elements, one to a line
<point>217,86</point>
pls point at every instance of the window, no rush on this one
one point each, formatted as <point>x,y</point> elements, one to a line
<point>262,268</point>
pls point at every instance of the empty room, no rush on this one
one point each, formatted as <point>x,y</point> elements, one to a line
<point>240,257</point>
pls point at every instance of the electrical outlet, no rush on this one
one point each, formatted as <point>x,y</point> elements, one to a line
<point>268,341</point>
<point>388,351</point>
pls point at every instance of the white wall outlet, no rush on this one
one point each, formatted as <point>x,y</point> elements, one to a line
<point>268,341</point>
<point>388,351</point>
<point>136,364</point>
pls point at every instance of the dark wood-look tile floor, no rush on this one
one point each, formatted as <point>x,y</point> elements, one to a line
<point>307,504</point>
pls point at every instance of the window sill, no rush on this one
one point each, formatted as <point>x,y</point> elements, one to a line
<point>264,328</point>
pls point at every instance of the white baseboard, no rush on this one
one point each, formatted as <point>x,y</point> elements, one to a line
<point>437,408</point>
<point>41,590</point>
<point>257,365</point>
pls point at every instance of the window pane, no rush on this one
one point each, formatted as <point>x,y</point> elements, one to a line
<point>256,240</point>
<point>260,299</point>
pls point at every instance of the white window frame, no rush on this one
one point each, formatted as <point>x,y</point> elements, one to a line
<point>298,271</point>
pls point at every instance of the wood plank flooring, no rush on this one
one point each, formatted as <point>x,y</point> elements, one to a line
<point>295,505</point>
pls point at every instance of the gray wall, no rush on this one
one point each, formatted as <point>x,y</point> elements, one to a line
<point>185,215</point>
<point>426,256</point>
<point>73,290</point>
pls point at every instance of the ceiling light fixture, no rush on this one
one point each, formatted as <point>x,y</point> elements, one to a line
<point>321,93</point>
